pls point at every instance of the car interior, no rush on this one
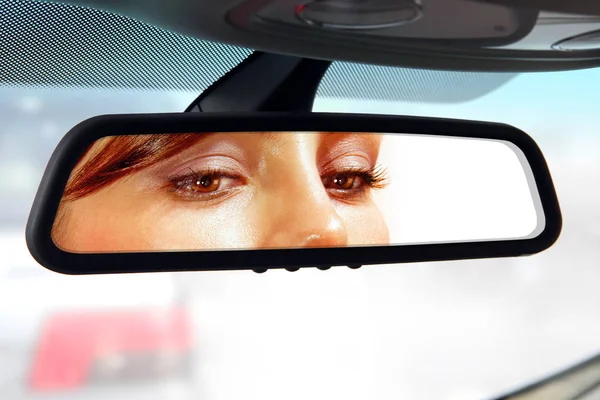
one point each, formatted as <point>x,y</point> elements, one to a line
<point>299,199</point>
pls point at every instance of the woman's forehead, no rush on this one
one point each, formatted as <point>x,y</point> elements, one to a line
<point>274,136</point>
<point>323,139</point>
<point>324,143</point>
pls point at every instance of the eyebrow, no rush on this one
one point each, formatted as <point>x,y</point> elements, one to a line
<point>369,142</point>
<point>368,137</point>
<point>272,136</point>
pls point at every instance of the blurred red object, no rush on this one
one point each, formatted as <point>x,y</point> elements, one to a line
<point>73,343</point>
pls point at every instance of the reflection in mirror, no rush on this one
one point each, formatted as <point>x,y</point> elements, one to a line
<point>248,190</point>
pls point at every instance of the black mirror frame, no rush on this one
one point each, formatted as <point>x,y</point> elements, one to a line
<point>76,141</point>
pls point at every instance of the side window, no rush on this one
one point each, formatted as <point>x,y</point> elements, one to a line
<point>34,121</point>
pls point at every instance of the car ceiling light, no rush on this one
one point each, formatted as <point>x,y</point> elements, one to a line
<point>359,14</point>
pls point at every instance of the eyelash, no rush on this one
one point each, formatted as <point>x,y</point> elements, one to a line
<point>178,183</point>
<point>374,178</point>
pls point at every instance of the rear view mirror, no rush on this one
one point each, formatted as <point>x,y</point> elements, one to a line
<point>141,193</point>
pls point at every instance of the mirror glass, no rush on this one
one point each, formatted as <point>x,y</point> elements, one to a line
<point>251,190</point>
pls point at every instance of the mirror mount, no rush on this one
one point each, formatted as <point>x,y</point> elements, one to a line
<point>270,82</point>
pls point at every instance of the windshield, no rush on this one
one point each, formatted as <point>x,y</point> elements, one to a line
<point>454,330</point>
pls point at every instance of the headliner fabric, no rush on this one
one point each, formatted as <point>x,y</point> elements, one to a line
<point>45,44</point>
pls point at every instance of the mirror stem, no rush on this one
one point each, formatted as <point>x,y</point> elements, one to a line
<point>265,82</point>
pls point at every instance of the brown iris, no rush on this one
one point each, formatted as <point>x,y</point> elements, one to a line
<point>341,181</point>
<point>204,184</point>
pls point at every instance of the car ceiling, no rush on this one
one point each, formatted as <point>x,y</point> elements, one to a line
<point>457,35</point>
<point>47,44</point>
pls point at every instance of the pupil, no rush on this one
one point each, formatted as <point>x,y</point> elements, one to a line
<point>205,181</point>
<point>340,180</point>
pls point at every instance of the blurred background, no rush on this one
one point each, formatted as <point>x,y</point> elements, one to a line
<point>454,330</point>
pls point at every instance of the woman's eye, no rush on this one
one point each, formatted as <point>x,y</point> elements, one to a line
<point>342,182</point>
<point>203,184</point>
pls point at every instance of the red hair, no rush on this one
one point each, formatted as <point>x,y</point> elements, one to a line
<point>111,158</point>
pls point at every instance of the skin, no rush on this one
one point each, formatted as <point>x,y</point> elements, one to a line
<point>277,191</point>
